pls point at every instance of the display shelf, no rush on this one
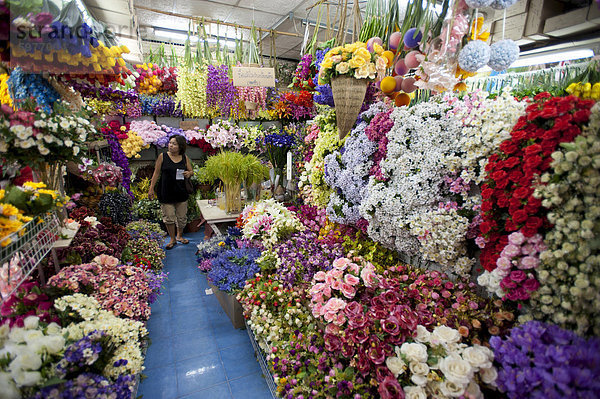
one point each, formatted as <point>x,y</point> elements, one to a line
<point>28,247</point>
<point>260,356</point>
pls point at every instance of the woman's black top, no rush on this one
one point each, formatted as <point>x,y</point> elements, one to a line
<point>170,189</point>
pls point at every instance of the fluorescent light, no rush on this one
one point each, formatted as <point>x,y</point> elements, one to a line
<point>547,58</point>
<point>550,58</point>
<point>174,35</point>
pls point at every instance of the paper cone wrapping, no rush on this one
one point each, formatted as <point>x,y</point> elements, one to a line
<point>348,96</point>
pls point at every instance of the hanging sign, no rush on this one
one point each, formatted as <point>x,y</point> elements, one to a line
<point>253,77</point>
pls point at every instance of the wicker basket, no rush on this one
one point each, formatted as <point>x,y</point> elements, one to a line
<point>348,96</point>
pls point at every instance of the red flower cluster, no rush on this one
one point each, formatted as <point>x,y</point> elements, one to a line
<point>508,201</point>
<point>27,300</point>
<point>118,129</point>
<point>204,146</point>
<point>302,99</point>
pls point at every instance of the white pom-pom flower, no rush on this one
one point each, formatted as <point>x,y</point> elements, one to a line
<point>503,54</point>
<point>478,3</point>
<point>502,4</point>
<point>474,55</point>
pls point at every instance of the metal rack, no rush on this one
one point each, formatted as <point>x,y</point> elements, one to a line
<point>260,356</point>
<point>28,246</point>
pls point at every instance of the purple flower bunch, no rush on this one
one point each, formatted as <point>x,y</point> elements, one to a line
<point>124,102</point>
<point>220,92</point>
<point>119,158</point>
<point>539,360</point>
<point>232,268</point>
<point>325,95</point>
<point>303,255</point>
<point>377,132</point>
<point>163,141</point>
<point>160,105</point>
<point>277,145</point>
<point>89,385</point>
<point>155,283</point>
<point>83,355</point>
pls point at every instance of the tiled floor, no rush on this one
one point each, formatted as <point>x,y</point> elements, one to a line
<point>195,351</point>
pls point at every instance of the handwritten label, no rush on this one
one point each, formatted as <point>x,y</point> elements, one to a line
<point>289,166</point>
<point>189,124</point>
<point>253,77</point>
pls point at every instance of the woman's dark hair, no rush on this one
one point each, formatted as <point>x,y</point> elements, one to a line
<point>180,142</point>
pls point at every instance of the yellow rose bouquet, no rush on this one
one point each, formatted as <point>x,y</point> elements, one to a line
<point>353,60</point>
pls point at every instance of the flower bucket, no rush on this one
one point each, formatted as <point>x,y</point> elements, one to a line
<point>230,306</point>
<point>348,96</point>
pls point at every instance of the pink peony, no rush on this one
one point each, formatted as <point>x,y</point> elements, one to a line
<point>350,279</point>
<point>504,263</point>
<point>320,276</point>
<point>510,251</point>
<point>528,249</point>
<point>516,238</point>
<point>529,262</point>
<point>531,284</point>
<point>517,276</point>
<point>341,263</point>
<point>348,290</point>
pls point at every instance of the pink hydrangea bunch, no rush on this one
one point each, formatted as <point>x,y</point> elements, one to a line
<point>149,131</point>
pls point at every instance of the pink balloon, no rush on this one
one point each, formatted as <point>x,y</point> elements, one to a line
<point>395,39</point>
<point>399,80</point>
<point>400,67</point>
<point>411,59</point>
<point>372,42</point>
<point>408,85</point>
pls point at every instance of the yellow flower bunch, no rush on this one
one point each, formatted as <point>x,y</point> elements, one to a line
<point>584,90</point>
<point>11,221</point>
<point>102,58</point>
<point>148,82</point>
<point>352,59</point>
<point>4,94</point>
<point>477,32</point>
<point>133,144</point>
<point>101,107</point>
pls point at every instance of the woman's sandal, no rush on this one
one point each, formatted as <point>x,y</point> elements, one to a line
<point>183,240</point>
<point>170,245</point>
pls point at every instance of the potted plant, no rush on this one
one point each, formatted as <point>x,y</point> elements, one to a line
<point>233,168</point>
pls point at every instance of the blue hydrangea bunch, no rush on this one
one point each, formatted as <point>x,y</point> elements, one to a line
<point>25,85</point>
<point>232,268</point>
<point>474,55</point>
<point>503,54</point>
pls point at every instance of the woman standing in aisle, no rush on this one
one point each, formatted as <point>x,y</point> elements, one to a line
<point>170,171</point>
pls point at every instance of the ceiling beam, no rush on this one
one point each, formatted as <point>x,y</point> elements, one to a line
<point>214,21</point>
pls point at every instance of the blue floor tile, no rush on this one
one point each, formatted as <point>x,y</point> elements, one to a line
<point>160,326</point>
<point>220,391</point>
<point>239,361</point>
<point>193,299</point>
<point>251,386</point>
<point>193,344</point>
<point>226,336</point>
<point>183,323</point>
<point>159,354</point>
<point>199,373</point>
<point>161,383</point>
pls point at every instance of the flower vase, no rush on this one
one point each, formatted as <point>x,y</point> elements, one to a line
<point>278,183</point>
<point>233,197</point>
<point>253,192</point>
<point>348,96</point>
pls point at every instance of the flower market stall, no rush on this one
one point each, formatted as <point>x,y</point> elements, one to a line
<point>411,212</point>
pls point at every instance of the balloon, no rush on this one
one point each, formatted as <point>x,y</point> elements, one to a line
<point>400,67</point>
<point>408,85</point>
<point>388,84</point>
<point>372,42</point>
<point>401,99</point>
<point>409,40</point>
<point>411,59</point>
<point>394,41</point>
<point>399,80</point>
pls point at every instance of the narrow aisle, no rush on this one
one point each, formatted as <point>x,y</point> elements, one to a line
<point>195,352</point>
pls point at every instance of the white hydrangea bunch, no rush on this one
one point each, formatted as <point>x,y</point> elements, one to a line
<point>487,123</point>
<point>569,271</point>
<point>125,334</point>
<point>27,350</point>
<point>437,365</point>
<point>442,234</point>
<point>423,147</point>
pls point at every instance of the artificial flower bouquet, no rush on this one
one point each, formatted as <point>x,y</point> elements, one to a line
<point>233,267</point>
<point>225,135</point>
<point>269,221</point>
<point>33,198</point>
<point>209,250</point>
<point>352,60</point>
<point>28,300</point>
<point>103,174</point>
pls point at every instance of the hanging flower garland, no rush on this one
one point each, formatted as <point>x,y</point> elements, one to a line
<point>191,91</point>
<point>220,92</point>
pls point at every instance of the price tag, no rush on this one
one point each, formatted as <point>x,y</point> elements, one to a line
<point>289,166</point>
<point>179,175</point>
